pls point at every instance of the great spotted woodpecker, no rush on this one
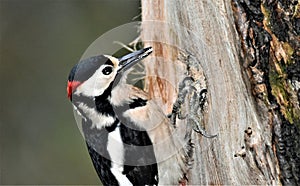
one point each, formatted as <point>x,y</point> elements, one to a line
<point>129,139</point>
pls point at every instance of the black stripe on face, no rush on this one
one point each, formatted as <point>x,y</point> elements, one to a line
<point>102,103</point>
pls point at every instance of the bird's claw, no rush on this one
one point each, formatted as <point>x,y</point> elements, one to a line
<point>197,102</point>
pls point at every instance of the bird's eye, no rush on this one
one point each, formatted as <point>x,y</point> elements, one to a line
<point>107,70</point>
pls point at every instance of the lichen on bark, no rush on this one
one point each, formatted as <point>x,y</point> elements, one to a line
<point>269,33</point>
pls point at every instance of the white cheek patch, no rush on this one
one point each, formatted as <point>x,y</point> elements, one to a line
<point>98,120</point>
<point>96,84</point>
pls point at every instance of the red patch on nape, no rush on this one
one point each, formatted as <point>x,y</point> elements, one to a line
<point>72,85</point>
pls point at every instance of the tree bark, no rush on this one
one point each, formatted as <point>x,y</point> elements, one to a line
<point>249,63</point>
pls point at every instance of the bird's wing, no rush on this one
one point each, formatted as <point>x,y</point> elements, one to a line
<point>170,146</point>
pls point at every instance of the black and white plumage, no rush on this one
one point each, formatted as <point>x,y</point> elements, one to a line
<point>130,141</point>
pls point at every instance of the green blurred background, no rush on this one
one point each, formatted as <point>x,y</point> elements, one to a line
<point>40,40</point>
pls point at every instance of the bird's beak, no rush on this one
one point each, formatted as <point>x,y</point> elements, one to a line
<point>131,59</point>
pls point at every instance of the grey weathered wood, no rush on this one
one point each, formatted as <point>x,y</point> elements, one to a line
<point>204,29</point>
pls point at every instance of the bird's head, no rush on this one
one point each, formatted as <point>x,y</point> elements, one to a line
<point>92,76</point>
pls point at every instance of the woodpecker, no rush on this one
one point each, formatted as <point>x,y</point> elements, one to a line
<point>129,139</point>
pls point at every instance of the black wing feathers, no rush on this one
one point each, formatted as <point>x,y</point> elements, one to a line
<point>139,150</point>
<point>96,141</point>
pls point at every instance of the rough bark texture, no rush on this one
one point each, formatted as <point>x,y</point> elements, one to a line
<point>246,53</point>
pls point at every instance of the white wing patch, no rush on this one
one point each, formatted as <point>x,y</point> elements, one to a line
<point>115,148</point>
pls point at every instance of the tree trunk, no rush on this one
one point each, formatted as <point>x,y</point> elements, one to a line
<point>246,54</point>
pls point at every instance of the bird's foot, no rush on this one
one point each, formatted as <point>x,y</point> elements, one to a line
<point>195,103</point>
